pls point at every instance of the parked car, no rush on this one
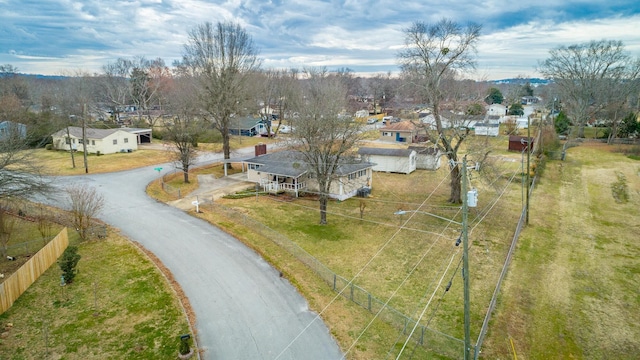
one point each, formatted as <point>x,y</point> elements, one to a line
<point>285,129</point>
<point>372,120</point>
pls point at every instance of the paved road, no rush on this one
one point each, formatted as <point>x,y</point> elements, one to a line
<point>244,309</point>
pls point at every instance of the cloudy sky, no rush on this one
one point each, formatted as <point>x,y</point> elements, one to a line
<point>62,36</point>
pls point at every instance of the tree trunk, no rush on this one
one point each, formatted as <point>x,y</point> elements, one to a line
<point>185,174</point>
<point>456,192</point>
<point>323,209</point>
<point>226,147</point>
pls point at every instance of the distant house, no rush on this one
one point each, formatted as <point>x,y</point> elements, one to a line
<point>519,143</point>
<point>529,100</point>
<point>103,141</point>
<point>287,171</point>
<point>10,129</point>
<point>403,131</point>
<point>496,110</point>
<point>247,126</point>
<point>430,121</point>
<point>427,157</point>
<point>487,128</point>
<point>389,160</point>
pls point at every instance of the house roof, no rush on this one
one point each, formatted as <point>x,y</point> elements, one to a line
<point>384,151</point>
<point>400,126</point>
<point>487,124</point>
<point>292,163</point>
<point>76,131</point>
<point>244,123</point>
<point>425,150</point>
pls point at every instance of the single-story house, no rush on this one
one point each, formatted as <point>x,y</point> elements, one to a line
<point>487,128</point>
<point>496,110</point>
<point>103,141</point>
<point>247,126</point>
<point>10,128</point>
<point>519,143</point>
<point>430,121</point>
<point>287,171</point>
<point>389,160</point>
<point>427,157</point>
<point>403,131</point>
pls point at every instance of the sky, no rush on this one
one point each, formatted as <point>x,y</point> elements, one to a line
<point>61,37</point>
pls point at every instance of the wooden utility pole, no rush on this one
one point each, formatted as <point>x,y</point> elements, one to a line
<point>84,137</point>
<point>465,262</point>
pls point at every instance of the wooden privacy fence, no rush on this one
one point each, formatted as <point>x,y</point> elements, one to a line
<point>28,273</point>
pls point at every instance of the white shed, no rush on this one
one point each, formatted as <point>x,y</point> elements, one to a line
<point>427,157</point>
<point>487,129</point>
<point>390,160</point>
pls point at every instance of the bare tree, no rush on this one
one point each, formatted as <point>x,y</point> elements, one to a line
<point>434,52</point>
<point>20,174</point>
<point>7,224</point>
<point>276,93</point>
<point>85,204</point>
<point>323,136</point>
<point>183,129</point>
<point>589,76</point>
<point>222,57</point>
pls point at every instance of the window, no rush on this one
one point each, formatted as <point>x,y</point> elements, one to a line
<point>126,140</point>
<point>67,141</point>
<point>93,142</point>
<point>115,141</point>
<point>387,134</point>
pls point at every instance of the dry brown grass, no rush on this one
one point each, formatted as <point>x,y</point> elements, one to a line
<point>59,162</point>
<point>572,289</point>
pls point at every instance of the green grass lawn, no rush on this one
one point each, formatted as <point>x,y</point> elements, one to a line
<point>572,290</point>
<point>119,307</point>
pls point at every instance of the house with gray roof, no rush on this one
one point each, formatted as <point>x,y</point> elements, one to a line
<point>98,141</point>
<point>288,171</point>
<point>247,126</point>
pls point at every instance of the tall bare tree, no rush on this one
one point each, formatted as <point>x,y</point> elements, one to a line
<point>186,123</point>
<point>432,53</point>
<point>222,57</point>
<point>324,137</point>
<point>589,76</point>
<point>7,225</point>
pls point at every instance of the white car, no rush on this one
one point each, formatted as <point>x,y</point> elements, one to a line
<point>285,129</point>
<point>372,121</point>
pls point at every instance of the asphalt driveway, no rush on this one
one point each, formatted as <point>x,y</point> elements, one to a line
<point>244,309</point>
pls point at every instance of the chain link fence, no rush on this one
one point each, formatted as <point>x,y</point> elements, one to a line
<point>432,340</point>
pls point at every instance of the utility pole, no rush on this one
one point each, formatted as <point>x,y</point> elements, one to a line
<point>528,165</point>
<point>465,262</point>
<point>84,137</point>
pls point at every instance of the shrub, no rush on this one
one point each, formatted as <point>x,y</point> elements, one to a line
<point>68,263</point>
<point>48,147</point>
<point>619,189</point>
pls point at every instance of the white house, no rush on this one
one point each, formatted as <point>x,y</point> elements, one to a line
<point>287,171</point>
<point>496,110</point>
<point>103,141</point>
<point>390,160</point>
<point>487,128</point>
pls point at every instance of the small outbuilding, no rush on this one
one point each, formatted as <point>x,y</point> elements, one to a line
<point>487,129</point>
<point>520,143</point>
<point>427,157</point>
<point>390,160</point>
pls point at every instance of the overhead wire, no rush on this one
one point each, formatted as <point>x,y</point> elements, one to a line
<point>393,236</point>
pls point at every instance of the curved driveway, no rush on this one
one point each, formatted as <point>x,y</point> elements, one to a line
<point>244,309</point>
